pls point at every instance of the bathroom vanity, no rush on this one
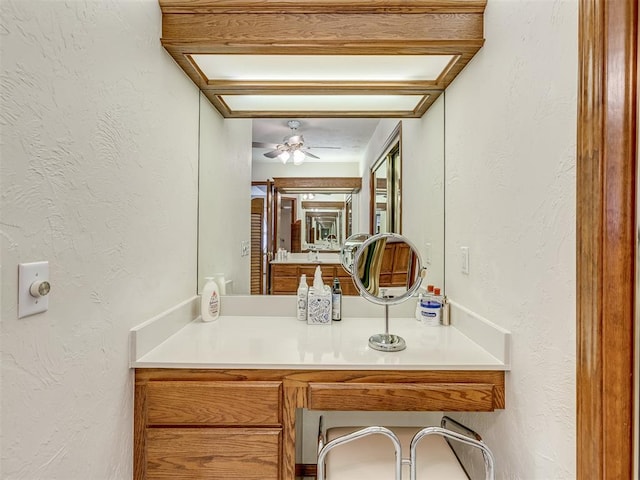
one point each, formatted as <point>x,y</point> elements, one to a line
<point>219,400</point>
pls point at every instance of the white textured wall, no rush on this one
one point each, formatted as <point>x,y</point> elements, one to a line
<point>262,171</point>
<point>510,197</point>
<point>99,177</point>
<point>225,197</point>
<point>422,183</point>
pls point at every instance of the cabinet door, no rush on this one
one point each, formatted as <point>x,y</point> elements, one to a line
<point>216,453</point>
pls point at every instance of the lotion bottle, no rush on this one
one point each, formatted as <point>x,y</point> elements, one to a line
<point>210,301</point>
<point>303,294</point>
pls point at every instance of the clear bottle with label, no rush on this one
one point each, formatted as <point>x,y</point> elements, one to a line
<point>431,307</point>
<point>303,295</point>
<point>210,301</point>
<point>336,301</point>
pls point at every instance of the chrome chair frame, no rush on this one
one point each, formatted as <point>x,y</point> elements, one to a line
<point>470,438</point>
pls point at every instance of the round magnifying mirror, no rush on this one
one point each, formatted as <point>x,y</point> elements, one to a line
<point>387,270</point>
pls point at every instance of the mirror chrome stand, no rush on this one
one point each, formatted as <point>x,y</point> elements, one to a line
<point>385,342</point>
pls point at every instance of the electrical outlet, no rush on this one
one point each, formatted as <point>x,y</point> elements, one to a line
<point>427,253</point>
<point>464,258</point>
<point>33,288</point>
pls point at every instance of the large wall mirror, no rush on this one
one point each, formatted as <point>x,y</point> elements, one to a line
<point>250,206</point>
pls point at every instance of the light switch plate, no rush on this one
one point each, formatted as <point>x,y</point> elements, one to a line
<point>28,273</point>
<point>464,260</point>
<point>427,253</point>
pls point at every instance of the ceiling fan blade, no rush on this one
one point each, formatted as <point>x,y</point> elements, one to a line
<point>308,154</point>
<point>272,154</point>
<point>332,148</point>
<point>264,145</point>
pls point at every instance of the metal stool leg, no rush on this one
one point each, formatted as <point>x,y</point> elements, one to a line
<point>486,453</point>
<point>356,435</point>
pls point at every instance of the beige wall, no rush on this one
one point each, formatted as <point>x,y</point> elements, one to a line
<point>510,197</point>
<point>98,176</point>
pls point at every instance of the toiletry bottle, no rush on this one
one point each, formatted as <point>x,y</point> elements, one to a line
<point>431,308</point>
<point>319,301</point>
<point>303,293</point>
<point>418,313</point>
<point>210,301</point>
<point>336,301</point>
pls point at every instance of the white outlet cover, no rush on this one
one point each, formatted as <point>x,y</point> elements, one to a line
<point>27,274</point>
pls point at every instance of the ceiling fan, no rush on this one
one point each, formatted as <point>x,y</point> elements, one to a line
<point>292,146</point>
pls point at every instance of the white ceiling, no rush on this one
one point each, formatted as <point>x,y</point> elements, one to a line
<point>350,134</point>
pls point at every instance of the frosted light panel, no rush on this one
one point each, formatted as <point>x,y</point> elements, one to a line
<point>322,103</point>
<point>322,67</point>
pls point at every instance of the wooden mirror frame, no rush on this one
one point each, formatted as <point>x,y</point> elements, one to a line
<point>606,238</point>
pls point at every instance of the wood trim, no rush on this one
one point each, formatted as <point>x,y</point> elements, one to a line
<point>328,205</point>
<point>140,430</point>
<point>606,206</point>
<point>317,184</point>
<point>314,27</point>
<point>322,6</point>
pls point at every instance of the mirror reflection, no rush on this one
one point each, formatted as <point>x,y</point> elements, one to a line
<point>247,216</point>
<point>387,268</point>
<point>386,193</point>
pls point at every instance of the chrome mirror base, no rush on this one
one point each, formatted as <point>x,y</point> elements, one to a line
<point>386,342</point>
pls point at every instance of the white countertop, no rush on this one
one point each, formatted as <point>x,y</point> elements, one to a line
<point>286,343</point>
<point>323,257</point>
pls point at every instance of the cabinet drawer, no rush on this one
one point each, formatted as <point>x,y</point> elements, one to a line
<point>213,403</point>
<point>284,270</point>
<point>220,453</point>
<point>284,285</point>
<point>472,397</point>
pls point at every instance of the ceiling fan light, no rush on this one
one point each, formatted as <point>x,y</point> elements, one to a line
<point>298,157</point>
<point>284,156</point>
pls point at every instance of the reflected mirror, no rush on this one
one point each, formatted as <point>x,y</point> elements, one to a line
<point>244,219</point>
<point>386,193</point>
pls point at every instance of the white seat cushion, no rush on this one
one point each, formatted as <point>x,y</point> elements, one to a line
<point>372,457</point>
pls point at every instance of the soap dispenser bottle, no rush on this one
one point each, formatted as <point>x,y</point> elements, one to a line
<point>303,294</point>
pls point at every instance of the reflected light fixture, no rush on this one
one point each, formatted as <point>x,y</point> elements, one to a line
<point>298,157</point>
<point>284,156</point>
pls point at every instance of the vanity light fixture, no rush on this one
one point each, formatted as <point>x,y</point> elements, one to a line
<point>388,58</point>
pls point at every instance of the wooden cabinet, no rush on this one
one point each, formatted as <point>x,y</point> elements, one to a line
<point>285,278</point>
<point>190,428</point>
<point>240,424</point>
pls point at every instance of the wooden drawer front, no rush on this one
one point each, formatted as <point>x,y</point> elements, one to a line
<point>447,397</point>
<point>284,285</point>
<point>213,403</point>
<point>217,453</point>
<point>284,270</point>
